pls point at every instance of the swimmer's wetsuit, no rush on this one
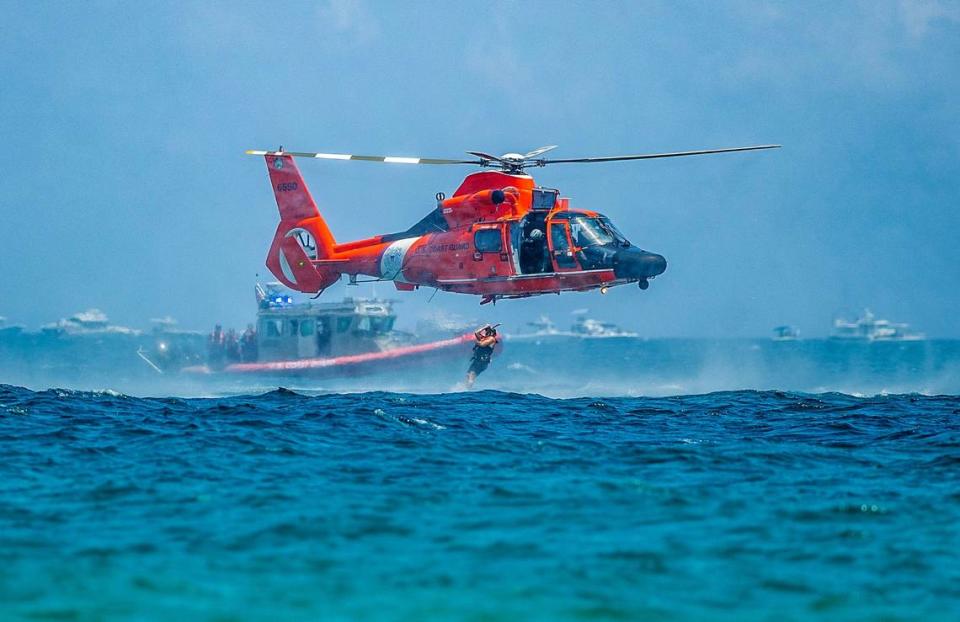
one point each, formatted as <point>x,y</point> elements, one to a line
<point>480,359</point>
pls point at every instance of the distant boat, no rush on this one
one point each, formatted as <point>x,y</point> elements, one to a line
<point>89,322</point>
<point>442,324</point>
<point>544,327</point>
<point>868,328</point>
<point>583,327</point>
<point>15,329</point>
<point>540,328</point>
<point>589,327</point>
<point>785,333</point>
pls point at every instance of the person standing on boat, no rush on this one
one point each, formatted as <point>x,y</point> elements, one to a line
<point>216,348</point>
<point>486,341</point>
<point>232,345</point>
<point>248,345</point>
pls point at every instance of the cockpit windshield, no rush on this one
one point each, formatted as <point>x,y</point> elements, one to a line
<point>587,231</point>
<point>622,239</point>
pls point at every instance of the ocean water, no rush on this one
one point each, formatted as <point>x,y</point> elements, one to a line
<point>490,505</point>
<point>556,367</point>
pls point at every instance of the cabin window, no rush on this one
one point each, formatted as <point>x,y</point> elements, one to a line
<point>272,327</point>
<point>544,198</point>
<point>294,327</point>
<point>306,328</point>
<point>488,241</point>
<point>343,324</point>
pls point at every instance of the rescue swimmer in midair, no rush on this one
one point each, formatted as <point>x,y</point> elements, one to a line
<point>485,340</point>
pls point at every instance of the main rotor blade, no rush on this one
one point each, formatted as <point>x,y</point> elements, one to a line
<point>651,156</point>
<point>537,152</point>
<point>364,158</point>
<point>486,156</point>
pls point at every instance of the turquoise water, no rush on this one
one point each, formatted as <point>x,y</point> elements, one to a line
<point>480,506</point>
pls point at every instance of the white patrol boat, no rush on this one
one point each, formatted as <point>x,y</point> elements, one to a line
<point>89,322</point>
<point>590,328</point>
<point>868,328</point>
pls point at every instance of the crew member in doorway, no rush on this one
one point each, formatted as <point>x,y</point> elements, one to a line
<point>534,256</point>
<point>486,341</point>
<point>542,254</point>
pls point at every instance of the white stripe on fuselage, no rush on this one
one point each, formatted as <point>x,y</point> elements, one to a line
<point>394,258</point>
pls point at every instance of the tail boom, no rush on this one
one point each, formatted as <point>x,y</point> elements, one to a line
<point>304,255</point>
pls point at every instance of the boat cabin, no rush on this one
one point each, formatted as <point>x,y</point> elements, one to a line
<point>288,330</point>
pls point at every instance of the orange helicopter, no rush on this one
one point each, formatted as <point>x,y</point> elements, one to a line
<point>499,235</point>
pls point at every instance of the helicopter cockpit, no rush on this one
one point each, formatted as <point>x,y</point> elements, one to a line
<point>586,241</point>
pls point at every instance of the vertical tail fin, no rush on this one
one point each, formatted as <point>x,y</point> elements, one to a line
<point>302,236</point>
<point>294,199</point>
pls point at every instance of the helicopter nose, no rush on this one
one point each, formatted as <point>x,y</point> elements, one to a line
<point>635,263</point>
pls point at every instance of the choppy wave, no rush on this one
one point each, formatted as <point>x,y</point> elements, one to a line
<point>483,505</point>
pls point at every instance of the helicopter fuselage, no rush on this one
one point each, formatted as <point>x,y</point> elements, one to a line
<point>498,236</point>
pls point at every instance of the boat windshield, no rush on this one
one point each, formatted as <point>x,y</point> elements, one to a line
<point>587,231</point>
<point>375,324</point>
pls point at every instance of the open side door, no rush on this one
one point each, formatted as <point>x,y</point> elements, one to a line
<point>561,247</point>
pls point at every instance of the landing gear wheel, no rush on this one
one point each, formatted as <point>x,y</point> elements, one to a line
<point>643,283</point>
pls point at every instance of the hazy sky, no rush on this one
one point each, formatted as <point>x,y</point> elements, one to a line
<point>126,187</point>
